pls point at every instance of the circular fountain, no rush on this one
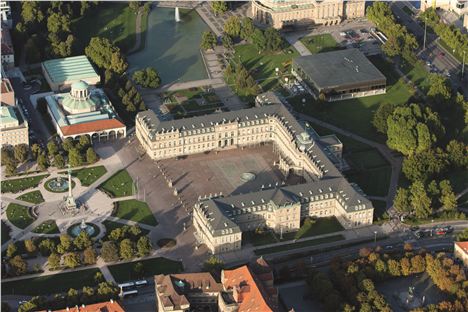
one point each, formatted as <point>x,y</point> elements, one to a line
<point>248,176</point>
<point>57,185</point>
<point>77,228</point>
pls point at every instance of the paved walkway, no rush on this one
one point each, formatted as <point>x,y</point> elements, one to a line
<point>296,43</point>
<point>138,25</point>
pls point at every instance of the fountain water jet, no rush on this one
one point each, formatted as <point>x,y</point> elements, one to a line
<point>177,15</point>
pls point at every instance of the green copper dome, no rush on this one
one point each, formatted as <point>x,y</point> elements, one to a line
<point>80,85</point>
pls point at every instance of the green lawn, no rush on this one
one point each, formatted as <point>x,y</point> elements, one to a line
<point>113,20</point>
<point>18,185</point>
<point>262,66</point>
<point>458,54</point>
<point>5,232</point>
<point>111,225</point>
<point>418,75</point>
<point>119,185</point>
<point>256,239</point>
<point>369,169</point>
<point>356,114</point>
<point>124,272</point>
<point>19,215</point>
<point>34,197</point>
<point>47,227</point>
<point>50,284</point>
<point>302,244</point>
<point>88,176</point>
<point>320,43</point>
<point>319,226</point>
<point>134,210</point>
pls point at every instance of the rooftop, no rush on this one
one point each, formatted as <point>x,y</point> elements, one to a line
<point>8,115</point>
<point>69,69</point>
<point>92,126</point>
<point>463,246</point>
<point>108,306</point>
<point>339,68</point>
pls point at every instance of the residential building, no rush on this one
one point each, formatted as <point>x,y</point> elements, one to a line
<point>5,14</point>
<point>8,94</point>
<point>461,252</point>
<point>248,288</point>
<point>219,221</point>
<point>85,110</point>
<point>460,7</point>
<point>8,54</point>
<point>107,306</point>
<point>282,14</point>
<point>339,75</point>
<point>62,73</point>
<point>13,126</point>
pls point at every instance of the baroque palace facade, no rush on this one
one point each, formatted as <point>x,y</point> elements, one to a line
<point>219,221</point>
<point>284,13</point>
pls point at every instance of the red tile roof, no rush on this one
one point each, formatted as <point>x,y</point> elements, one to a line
<point>107,306</point>
<point>92,126</point>
<point>250,294</point>
<point>463,246</point>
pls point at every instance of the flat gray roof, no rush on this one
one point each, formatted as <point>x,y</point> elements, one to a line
<point>339,68</point>
<point>69,69</point>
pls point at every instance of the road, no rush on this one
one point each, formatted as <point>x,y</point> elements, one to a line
<point>441,59</point>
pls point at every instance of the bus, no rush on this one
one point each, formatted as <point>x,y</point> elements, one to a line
<point>128,289</point>
<point>141,283</point>
<point>129,293</point>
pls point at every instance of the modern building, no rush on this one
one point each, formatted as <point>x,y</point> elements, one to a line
<point>62,73</point>
<point>220,221</point>
<point>85,110</point>
<point>107,306</point>
<point>339,75</point>
<point>5,14</point>
<point>8,54</point>
<point>460,7</point>
<point>8,94</point>
<point>282,14</point>
<point>461,252</point>
<point>13,126</point>
<point>245,289</point>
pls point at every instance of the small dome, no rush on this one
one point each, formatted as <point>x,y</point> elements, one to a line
<point>79,85</point>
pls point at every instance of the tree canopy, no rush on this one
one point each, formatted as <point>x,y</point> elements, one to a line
<point>106,55</point>
<point>148,78</point>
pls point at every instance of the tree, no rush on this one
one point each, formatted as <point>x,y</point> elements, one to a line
<point>109,252</point>
<point>424,165</point>
<point>227,41</point>
<point>418,264</point>
<point>457,153</point>
<point>393,267</point>
<point>29,246</point>
<point>259,40</point>
<point>439,89</point>
<point>247,28</point>
<point>72,297</point>
<point>127,249</point>
<point>68,144</point>
<point>274,42</point>
<point>208,40</point>
<point>10,169</point>
<point>72,260</point>
<point>11,250</point>
<point>82,241</point>
<point>106,55</point>
<point>74,157</point>
<point>448,199</point>
<point>412,129</point>
<point>144,246</point>
<point>54,261</point>
<point>65,243</point>
<point>91,156</point>
<point>134,230</point>
<point>99,277</point>
<point>232,26</point>
<point>42,162</point>
<point>401,201</point>
<point>148,78</point>
<point>21,152</point>
<point>31,12</point>
<point>213,264</point>
<point>420,201</point>
<point>87,295</point>
<point>52,148</point>
<point>46,247</point>
<point>219,7</point>
<point>84,7</point>
<point>17,265</point>
<point>134,6</point>
<point>84,141</point>
<point>57,23</point>
<point>89,256</point>
<point>7,156</point>
<point>139,268</point>
<point>379,121</point>
<point>59,162</point>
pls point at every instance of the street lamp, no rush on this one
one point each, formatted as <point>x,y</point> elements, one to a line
<point>425,28</point>
<point>375,238</point>
<point>463,66</point>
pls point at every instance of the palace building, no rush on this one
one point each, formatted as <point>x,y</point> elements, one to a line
<point>284,13</point>
<point>220,221</point>
<point>84,110</point>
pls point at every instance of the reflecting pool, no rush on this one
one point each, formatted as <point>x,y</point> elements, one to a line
<point>172,48</point>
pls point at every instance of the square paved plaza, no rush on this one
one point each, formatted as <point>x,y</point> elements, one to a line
<point>212,172</point>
